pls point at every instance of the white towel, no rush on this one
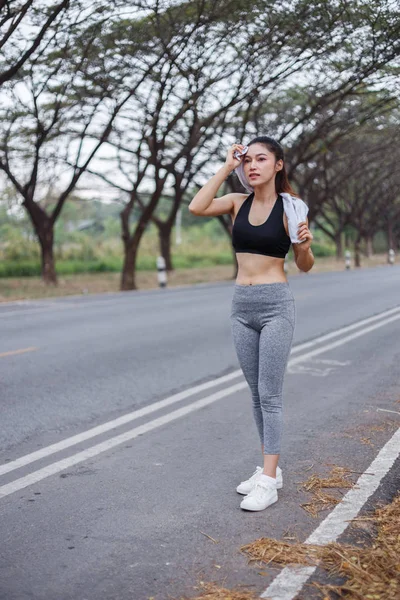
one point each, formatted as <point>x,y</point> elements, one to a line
<point>296,209</point>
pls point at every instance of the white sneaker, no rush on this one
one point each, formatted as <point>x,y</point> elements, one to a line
<point>245,487</point>
<point>262,495</point>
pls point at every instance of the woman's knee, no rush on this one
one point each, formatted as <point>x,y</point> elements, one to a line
<point>271,402</point>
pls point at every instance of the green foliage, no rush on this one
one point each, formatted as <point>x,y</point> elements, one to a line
<point>319,249</point>
<point>24,268</point>
<point>186,261</point>
<point>72,267</point>
<point>67,267</point>
<point>18,248</point>
<point>203,245</point>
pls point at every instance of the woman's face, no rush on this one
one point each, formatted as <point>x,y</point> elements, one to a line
<point>260,165</point>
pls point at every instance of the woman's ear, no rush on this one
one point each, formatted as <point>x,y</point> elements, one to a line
<point>279,165</point>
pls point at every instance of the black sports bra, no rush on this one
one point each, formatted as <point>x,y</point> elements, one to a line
<point>269,238</point>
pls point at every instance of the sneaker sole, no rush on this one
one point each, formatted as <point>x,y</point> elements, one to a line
<point>259,509</point>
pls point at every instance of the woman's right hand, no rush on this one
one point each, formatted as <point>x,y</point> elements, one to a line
<point>232,162</point>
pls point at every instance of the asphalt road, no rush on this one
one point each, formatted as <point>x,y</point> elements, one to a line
<point>128,517</point>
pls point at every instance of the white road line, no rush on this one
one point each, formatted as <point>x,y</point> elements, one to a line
<point>332,334</point>
<point>48,306</point>
<point>16,352</point>
<point>34,310</point>
<point>111,297</point>
<point>60,465</point>
<point>353,336</point>
<point>100,429</point>
<point>290,580</point>
<point>83,302</point>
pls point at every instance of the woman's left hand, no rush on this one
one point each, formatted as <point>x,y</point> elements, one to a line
<point>305,236</point>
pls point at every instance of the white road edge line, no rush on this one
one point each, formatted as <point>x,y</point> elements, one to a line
<point>353,336</point>
<point>332,334</point>
<point>33,310</point>
<point>290,580</point>
<point>100,429</point>
<point>60,465</point>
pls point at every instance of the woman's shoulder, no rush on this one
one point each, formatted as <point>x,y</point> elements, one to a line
<point>238,200</point>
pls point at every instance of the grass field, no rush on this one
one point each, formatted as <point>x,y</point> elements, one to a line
<point>24,288</point>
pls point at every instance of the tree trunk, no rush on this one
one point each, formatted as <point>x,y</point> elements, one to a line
<point>128,274</point>
<point>131,245</point>
<point>339,246</point>
<point>132,242</point>
<point>46,240</point>
<point>164,234</point>
<point>44,231</point>
<point>165,228</point>
<point>357,252</point>
<point>390,234</point>
<point>369,250</point>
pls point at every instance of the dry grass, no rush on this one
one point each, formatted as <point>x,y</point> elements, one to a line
<point>212,591</point>
<point>320,501</point>
<point>96,283</point>
<point>370,573</point>
<point>268,550</point>
<point>338,478</point>
<point>368,432</point>
<point>366,441</point>
<point>32,287</point>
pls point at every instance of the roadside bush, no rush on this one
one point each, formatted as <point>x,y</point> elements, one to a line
<point>202,246</point>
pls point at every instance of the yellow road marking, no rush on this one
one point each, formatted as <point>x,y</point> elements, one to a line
<point>21,351</point>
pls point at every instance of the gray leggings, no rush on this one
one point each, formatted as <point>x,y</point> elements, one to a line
<point>262,321</point>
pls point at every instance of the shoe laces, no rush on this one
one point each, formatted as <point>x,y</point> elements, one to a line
<point>256,473</point>
<point>259,489</point>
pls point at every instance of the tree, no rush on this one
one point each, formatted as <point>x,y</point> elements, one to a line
<point>356,184</point>
<point>25,27</point>
<point>53,123</point>
<point>220,69</point>
<point>349,82</point>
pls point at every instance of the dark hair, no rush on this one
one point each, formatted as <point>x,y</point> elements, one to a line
<point>281,180</point>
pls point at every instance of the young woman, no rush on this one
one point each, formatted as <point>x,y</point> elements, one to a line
<point>262,318</point>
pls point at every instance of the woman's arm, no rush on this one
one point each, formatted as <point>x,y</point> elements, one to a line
<point>303,255</point>
<point>304,258</point>
<point>204,204</point>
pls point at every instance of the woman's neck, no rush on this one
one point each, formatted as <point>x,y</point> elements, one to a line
<point>265,193</point>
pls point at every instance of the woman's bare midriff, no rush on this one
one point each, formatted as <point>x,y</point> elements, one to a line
<point>254,269</point>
